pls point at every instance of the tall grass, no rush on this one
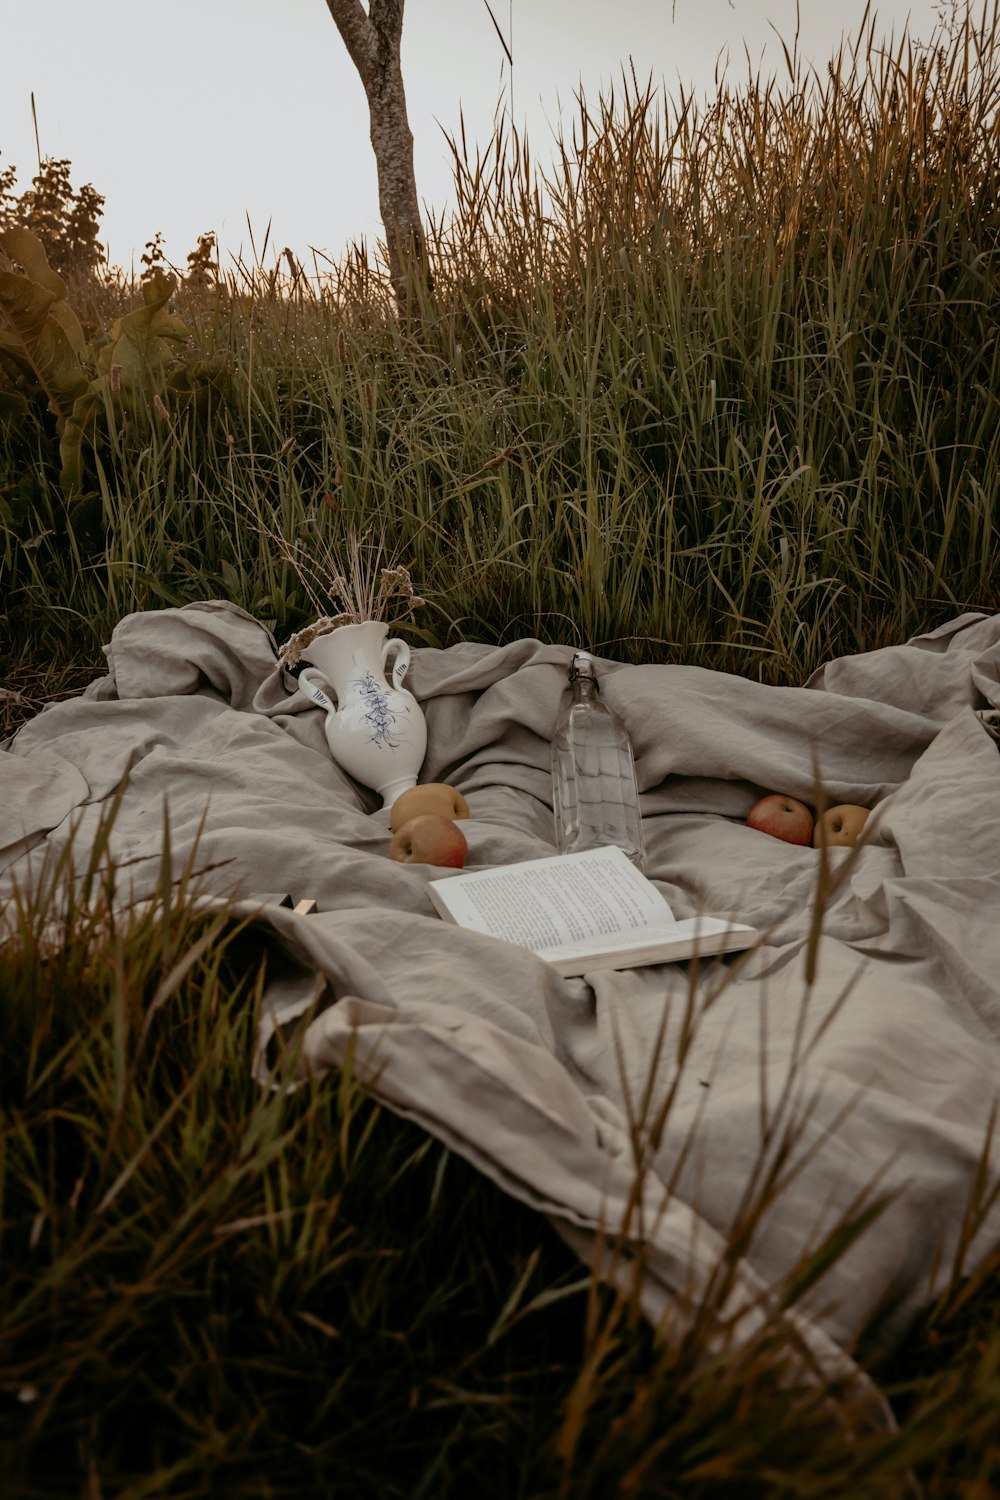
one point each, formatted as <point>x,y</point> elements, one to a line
<point>213,1289</point>
<point>717,385</point>
<point>720,384</point>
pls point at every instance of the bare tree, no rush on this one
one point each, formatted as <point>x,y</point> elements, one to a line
<point>373,39</point>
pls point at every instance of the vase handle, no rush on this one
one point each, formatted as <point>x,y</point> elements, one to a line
<point>401,665</point>
<point>313,691</point>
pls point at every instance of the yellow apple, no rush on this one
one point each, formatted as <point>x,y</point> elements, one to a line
<point>782,817</point>
<point>432,797</point>
<point>840,826</point>
<point>429,840</point>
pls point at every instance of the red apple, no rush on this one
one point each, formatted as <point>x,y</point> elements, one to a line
<point>429,797</point>
<point>783,818</point>
<point>840,826</point>
<point>429,840</point>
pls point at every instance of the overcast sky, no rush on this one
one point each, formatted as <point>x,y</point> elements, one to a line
<point>196,115</point>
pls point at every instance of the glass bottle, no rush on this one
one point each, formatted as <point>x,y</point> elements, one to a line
<point>594,793</point>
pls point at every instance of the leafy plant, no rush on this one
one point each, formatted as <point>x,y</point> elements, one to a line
<point>134,367</point>
<point>42,347</point>
<point>66,221</point>
<point>128,372</point>
<point>203,262</point>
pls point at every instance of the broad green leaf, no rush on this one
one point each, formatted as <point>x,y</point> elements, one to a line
<point>27,249</point>
<point>140,345</point>
<point>70,324</point>
<point>71,438</point>
<point>42,333</point>
<point>25,303</point>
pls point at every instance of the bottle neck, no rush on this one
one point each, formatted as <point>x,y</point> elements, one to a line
<point>585,690</point>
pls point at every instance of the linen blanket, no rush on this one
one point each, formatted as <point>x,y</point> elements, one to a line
<point>879,1075</point>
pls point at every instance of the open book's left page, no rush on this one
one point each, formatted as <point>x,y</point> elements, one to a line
<point>546,903</point>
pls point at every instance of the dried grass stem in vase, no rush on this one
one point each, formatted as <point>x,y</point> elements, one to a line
<point>361,586</point>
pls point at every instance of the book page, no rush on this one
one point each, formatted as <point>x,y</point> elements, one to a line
<point>707,935</point>
<point>544,903</point>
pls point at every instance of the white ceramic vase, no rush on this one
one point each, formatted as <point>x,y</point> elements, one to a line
<point>376,729</point>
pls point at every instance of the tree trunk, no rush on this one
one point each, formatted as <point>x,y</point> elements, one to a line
<point>373,40</point>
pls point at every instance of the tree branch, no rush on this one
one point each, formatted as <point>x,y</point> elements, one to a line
<point>358,34</point>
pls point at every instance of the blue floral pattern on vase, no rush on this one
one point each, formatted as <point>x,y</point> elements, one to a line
<point>378,715</point>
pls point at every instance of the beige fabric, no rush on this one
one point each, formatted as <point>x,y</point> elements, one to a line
<point>536,1079</point>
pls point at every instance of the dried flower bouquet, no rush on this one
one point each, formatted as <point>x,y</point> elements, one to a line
<point>364,585</point>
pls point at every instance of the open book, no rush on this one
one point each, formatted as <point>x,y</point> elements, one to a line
<point>579,912</point>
